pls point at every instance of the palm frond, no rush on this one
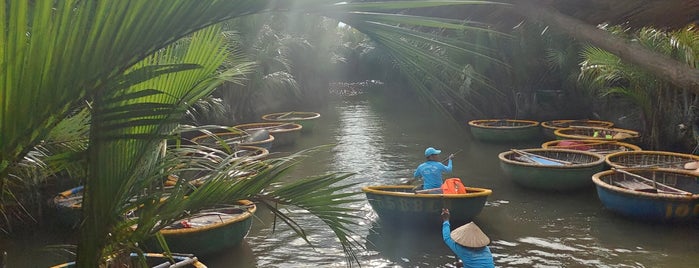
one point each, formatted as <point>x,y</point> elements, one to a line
<point>133,136</point>
<point>58,54</point>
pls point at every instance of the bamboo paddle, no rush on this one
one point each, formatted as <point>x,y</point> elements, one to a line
<point>655,183</point>
<point>542,157</point>
<point>670,163</point>
<point>454,154</point>
<point>528,159</point>
<point>284,115</point>
<point>408,181</point>
<point>265,128</point>
<point>495,123</point>
<point>427,190</point>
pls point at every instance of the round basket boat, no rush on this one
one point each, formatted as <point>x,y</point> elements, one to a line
<point>650,159</point>
<point>284,133</point>
<point>209,231</point>
<point>650,194</point>
<point>158,260</point>
<point>305,119</point>
<point>595,133</point>
<point>68,206</point>
<point>551,169</point>
<point>401,207</point>
<point>243,154</point>
<point>593,146</point>
<point>504,130</point>
<point>233,139</point>
<point>550,126</point>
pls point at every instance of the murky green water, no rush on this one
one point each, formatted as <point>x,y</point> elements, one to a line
<point>382,141</point>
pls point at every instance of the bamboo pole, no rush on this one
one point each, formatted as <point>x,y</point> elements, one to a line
<point>655,183</point>
<point>266,128</point>
<point>542,157</point>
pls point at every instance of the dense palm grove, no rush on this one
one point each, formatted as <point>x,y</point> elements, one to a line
<point>113,101</point>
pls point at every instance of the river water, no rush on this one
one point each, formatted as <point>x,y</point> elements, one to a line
<point>382,139</point>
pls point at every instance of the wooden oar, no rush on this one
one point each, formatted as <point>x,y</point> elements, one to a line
<point>673,162</point>
<point>427,190</point>
<point>542,157</point>
<point>284,115</point>
<point>607,151</point>
<point>72,191</point>
<point>528,159</point>
<point>495,123</point>
<point>408,181</point>
<point>655,183</point>
<point>265,128</point>
<point>446,160</point>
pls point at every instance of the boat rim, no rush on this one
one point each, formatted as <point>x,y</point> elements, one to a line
<point>258,152</point>
<point>559,133</point>
<point>186,259</point>
<point>379,190</point>
<point>253,143</point>
<point>476,123</point>
<point>549,144</point>
<point>295,127</point>
<point>599,161</point>
<point>312,115</point>
<point>596,178</point>
<point>547,124</point>
<point>248,213</point>
<point>617,154</point>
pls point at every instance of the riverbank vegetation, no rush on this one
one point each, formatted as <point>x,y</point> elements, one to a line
<point>101,59</point>
<point>110,97</point>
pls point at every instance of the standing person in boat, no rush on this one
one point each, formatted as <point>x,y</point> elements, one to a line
<point>468,242</point>
<point>431,171</point>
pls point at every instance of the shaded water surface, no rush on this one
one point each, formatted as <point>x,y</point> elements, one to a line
<point>383,140</point>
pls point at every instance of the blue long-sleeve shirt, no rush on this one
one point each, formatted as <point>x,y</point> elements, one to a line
<point>471,257</point>
<point>431,173</point>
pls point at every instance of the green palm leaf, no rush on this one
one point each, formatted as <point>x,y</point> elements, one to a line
<point>58,54</point>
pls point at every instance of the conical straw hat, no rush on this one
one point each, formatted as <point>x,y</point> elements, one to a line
<point>469,235</point>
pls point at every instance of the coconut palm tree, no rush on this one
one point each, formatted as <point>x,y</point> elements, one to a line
<point>259,42</point>
<point>58,54</point>
<point>662,105</point>
<point>59,155</point>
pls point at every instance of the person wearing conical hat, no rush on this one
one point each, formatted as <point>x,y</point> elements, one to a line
<point>468,242</point>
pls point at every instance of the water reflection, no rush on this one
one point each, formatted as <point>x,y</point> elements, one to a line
<point>359,141</point>
<point>528,228</point>
<point>407,247</point>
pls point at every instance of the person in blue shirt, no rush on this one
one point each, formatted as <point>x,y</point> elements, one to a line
<point>468,242</point>
<point>431,171</point>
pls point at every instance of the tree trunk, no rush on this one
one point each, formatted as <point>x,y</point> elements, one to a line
<point>677,73</point>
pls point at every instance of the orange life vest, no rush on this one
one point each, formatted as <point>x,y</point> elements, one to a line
<point>453,186</point>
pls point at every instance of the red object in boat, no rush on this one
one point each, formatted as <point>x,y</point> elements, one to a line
<point>573,145</point>
<point>453,186</point>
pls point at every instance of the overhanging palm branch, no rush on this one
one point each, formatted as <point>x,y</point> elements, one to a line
<point>43,65</point>
<point>432,51</point>
<point>219,187</point>
<point>63,59</point>
<point>60,156</point>
<point>59,53</point>
<point>128,125</point>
